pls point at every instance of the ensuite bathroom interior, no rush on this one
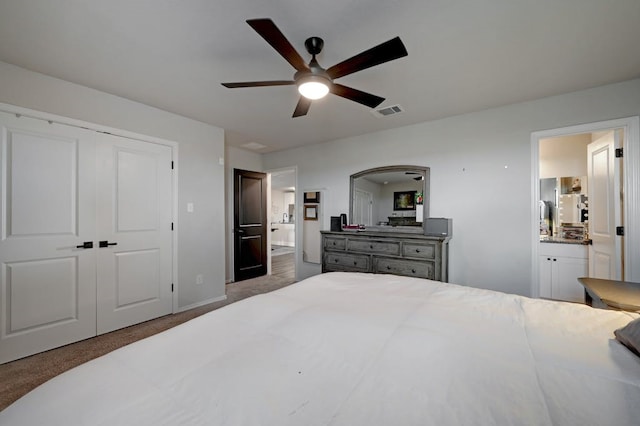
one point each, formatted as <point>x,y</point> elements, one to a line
<point>564,187</point>
<point>283,212</point>
<point>579,207</point>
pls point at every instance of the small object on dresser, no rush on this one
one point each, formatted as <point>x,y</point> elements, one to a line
<point>351,228</point>
<point>438,226</point>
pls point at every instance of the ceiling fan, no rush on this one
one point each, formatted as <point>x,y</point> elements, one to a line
<point>313,81</point>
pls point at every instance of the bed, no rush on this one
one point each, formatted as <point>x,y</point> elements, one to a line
<point>360,349</point>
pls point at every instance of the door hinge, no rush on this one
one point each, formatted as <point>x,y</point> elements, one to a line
<point>172,165</point>
<point>171,287</point>
<point>620,230</point>
<point>619,152</point>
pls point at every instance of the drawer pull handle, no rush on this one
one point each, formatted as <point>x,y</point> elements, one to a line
<point>413,271</point>
<point>388,268</point>
<point>334,243</point>
<point>370,247</point>
<point>417,250</point>
<point>355,263</point>
<point>335,260</point>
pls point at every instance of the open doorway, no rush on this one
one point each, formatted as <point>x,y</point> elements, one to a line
<point>585,206</point>
<point>283,222</point>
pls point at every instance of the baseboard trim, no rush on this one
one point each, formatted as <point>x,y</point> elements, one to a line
<point>204,302</point>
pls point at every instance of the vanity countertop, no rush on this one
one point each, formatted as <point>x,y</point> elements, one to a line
<point>558,240</point>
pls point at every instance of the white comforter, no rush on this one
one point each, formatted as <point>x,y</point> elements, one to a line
<point>359,349</point>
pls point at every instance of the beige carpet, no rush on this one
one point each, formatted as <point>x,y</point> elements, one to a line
<point>19,377</point>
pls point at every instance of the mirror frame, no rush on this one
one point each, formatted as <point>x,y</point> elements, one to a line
<point>424,171</point>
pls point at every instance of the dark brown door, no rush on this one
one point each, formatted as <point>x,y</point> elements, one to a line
<point>250,224</point>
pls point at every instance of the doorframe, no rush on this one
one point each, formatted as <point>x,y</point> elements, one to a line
<point>631,190</point>
<point>296,221</point>
<point>53,118</point>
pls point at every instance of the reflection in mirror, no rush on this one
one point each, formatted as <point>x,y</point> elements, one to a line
<point>392,196</point>
<point>311,224</point>
<point>564,207</point>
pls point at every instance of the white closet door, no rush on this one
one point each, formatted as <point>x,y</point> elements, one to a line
<point>134,183</point>
<point>47,283</point>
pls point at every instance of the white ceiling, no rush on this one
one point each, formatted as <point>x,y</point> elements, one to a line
<point>464,56</point>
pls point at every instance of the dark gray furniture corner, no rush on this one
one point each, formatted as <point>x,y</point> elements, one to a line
<point>611,294</point>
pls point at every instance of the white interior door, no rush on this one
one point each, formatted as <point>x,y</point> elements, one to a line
<point>605,259</point>
<point>362,208</point>
<point>134,218</point>
<point>47,296</point>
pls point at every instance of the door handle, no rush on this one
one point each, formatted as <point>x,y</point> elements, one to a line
<point>86,245</point>
<point>105,243</point>
<point>240,231</point>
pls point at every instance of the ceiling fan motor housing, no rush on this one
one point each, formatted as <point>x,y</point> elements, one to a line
<point>315,70</point>
<point>314,45</point>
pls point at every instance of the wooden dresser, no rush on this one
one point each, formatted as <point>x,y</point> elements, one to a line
<point>409,254</point>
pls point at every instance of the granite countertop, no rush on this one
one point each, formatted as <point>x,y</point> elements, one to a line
<point>558,240</point>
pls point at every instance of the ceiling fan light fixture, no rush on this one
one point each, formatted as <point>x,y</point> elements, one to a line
<point>313,87</point>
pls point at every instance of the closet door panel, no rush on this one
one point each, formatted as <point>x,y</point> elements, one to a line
<point>134,216</point>
<point>47,283</point>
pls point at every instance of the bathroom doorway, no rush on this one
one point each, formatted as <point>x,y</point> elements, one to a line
<point>569,206</point>
<point>283,222</point>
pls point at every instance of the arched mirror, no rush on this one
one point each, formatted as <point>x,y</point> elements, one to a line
<point>391,197</point>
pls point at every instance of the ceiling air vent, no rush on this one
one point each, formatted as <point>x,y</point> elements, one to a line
<point>255,146</point>
<point>389,110</point>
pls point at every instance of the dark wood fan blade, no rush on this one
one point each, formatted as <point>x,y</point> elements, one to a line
<point>259,83</point>
<point>355,95</point>
<point>268,30</point>
<point>302,108</point>
<point>385,52</point>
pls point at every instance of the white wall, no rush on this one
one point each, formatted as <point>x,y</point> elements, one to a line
<point>278,208</point>
<point>480,175</point>
<point>564,156</point>
<point>201,178</point>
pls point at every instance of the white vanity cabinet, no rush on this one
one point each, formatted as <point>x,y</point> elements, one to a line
<point>560,267</point>
<point>283,234</point>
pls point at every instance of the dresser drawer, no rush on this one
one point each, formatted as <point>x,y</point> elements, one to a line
<point>419,251</point>
<point>346,262</point>
<point>335,243</point>
<point>408,268</point>
<point>373,246</point>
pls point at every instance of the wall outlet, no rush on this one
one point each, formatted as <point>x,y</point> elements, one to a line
<point>199,279</point>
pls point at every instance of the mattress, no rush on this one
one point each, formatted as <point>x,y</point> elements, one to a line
<point>359,349</point>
